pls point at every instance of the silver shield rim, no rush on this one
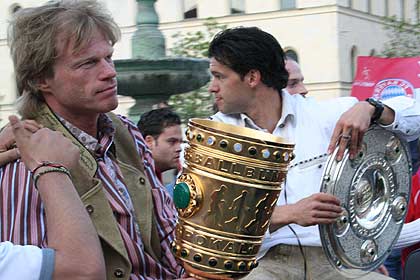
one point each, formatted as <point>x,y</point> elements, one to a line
<point>374,191</point>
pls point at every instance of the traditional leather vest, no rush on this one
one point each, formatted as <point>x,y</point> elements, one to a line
<point>90,189</point>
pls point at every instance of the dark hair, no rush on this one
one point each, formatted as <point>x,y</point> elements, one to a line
<point>155,121</point>
<point>245,48</point>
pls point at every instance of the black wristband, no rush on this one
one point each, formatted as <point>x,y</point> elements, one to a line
<point>379,108</point>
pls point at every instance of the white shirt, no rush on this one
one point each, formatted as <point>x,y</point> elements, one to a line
<point>310,124</point>
<point>25,262</point>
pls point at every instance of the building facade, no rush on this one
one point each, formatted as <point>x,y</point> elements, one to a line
<point>326,36</point>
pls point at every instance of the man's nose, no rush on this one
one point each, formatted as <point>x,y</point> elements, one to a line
<point>212,86</point>
<point>108,69</point>
<point>302,89</point>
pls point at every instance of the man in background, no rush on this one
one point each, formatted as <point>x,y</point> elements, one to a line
<point>161,129</point>
<point>295,83</point>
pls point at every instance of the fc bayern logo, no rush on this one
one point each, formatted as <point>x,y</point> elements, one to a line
<point>389,88</point>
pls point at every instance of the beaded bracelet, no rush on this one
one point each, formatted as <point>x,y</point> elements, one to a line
<point>47,163</point>
<point>60,169</point>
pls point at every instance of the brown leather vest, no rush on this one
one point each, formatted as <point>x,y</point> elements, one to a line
<point>90,190</point>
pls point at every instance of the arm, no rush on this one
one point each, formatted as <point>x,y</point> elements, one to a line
<point>409,235</point>
<point>71,234</point>
<point>401,114</point>
<point>319,208</point>
<point>354,123</point>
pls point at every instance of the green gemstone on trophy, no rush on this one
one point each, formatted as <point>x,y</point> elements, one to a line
<point>228,265</point>
<point>212,261</point>
<point>184,253</point>
<point>223,144</point>
<point>242,266</point>
<point>181,195</point>
<point>197,258</point>
<point>252,151</point>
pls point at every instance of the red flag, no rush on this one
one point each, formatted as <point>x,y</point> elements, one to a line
<point>384,78</point>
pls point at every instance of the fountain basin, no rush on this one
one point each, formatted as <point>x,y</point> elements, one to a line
<point>160,77</point>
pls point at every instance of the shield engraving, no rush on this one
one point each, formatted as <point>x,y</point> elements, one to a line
<point>374,190</point>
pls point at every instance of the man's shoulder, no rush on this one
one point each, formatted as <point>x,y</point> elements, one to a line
<point>234,119</point>
<point>124,128</point>
<point>122,122</point>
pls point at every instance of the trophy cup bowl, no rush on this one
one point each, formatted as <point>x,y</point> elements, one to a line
<point>232,177</point>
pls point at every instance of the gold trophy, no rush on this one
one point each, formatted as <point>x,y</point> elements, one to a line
<point>231,180</point>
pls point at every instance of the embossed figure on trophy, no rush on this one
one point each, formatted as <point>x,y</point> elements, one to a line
<point>260,212</point>
<point>238,209</point>
<point>217,206</point>
<point>269,210</point>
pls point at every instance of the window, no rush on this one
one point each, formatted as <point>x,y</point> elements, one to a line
<point>386,6</point>
<point>237,6</point>
<point>292,54</point>
<point>287,4</point>
<point>190,9</point>
<point>372,52</point>
<point>353,62</point>
<point>369,6</point>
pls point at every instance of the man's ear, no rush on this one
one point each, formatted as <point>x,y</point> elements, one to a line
<point>150,141</point>
<point>253,77</point>
<point>43,85</point>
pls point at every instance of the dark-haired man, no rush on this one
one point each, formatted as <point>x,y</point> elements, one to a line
<point>249,74</point>
<point>161,129</point>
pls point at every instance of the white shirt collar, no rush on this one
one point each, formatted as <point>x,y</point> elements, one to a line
<point>288,113</point>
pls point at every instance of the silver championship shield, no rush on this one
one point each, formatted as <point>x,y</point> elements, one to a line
<point>374,190</point>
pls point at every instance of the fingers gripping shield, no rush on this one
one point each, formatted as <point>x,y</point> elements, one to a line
<point>374,191</point>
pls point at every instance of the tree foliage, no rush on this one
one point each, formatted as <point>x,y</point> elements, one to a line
<point>404,37</point>
<point>196,44</point>
<point>198,103</point>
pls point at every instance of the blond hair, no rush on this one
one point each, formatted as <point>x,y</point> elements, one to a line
<point>32,38</point>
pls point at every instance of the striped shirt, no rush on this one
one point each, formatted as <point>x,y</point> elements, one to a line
<point>22,216</point>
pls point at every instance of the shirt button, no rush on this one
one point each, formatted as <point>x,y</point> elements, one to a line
<point>142,181</point>
<point>281,125</point>
<point>89,209</point>
<point>119,273</point>
<point>319,166</point>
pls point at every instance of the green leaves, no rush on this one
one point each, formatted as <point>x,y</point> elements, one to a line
<point>198,103</point>
<point>196,44</point>
<point>404,37</point>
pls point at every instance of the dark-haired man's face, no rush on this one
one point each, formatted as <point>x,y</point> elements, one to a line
<point>231,93</point>
<point>166,147</point>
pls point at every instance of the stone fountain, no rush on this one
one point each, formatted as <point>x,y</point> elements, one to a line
<point>150,77</point>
